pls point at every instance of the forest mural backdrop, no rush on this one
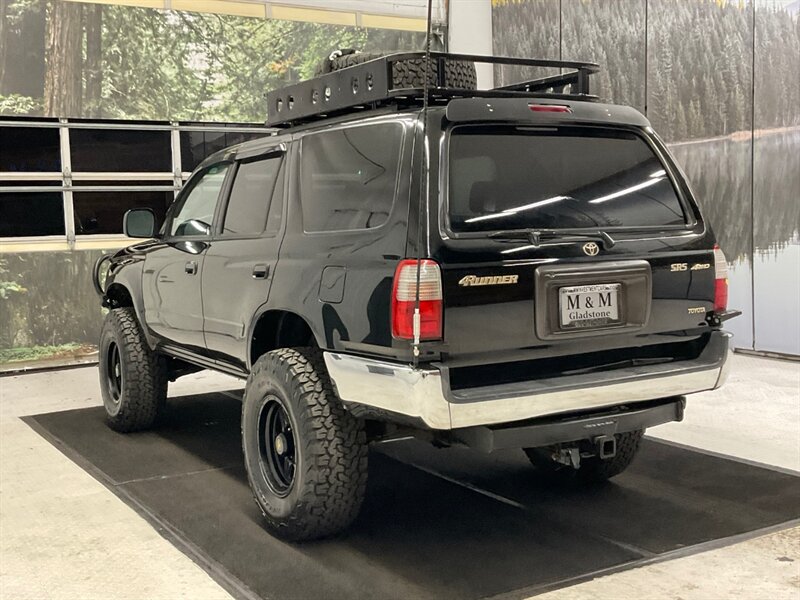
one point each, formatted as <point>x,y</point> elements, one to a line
<point>68,59</point>
<point>720,81</point>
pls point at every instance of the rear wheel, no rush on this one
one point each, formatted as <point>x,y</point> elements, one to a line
<point>306,457</point>
<point>133,378</point>
<point>592,469</point>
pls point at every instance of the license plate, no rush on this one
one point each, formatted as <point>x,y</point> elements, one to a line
<point>589,305</point>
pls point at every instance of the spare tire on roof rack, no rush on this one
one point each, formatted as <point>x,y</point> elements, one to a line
<point>407,73</point>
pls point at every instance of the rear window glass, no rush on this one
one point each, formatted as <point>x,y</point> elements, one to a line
<point>349,177</point>
<point>556,178</point>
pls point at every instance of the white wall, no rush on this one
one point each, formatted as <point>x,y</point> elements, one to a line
<point>470,32</point>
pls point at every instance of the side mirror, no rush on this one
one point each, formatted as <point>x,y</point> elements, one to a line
<point>139,223</point>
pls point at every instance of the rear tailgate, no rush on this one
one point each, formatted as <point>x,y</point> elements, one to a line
<point>569,240</point>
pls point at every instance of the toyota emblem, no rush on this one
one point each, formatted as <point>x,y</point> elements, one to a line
<point>591,249</point>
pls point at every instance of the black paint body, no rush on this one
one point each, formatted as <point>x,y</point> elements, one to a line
<point>198,299</point>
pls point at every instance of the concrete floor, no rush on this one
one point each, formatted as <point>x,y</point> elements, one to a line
<point>64,535</point>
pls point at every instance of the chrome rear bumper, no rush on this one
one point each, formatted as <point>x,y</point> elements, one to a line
<point>425,395</point>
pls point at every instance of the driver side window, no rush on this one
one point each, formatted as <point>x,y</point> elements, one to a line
<point>196,214</point>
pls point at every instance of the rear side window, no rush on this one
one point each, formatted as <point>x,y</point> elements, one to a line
<point>556,178</point>
<point>250,197</point>
<point>349,176</point>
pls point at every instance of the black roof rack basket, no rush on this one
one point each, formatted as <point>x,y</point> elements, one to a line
<point>372,84</point>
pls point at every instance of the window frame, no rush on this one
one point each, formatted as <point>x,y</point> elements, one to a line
<point>68,182</point>
<point>280,152</point>
<point>187,189</point>
<point>690,214</point>
<point>404,126</point>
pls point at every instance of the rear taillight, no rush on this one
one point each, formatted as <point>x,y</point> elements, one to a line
<point>720,280</point>
<point>404,300</point>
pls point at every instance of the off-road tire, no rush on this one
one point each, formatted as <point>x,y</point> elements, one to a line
<point>411,73</point>
<point>142,392</point>
<point>593,470</point>
<point>329,445</point>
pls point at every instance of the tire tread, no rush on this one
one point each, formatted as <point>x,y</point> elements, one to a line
<point>145,376</point>
<point>334,444</point>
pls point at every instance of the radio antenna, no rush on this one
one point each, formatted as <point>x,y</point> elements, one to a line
<point>423,184</point>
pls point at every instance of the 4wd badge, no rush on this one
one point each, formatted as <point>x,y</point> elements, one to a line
<point>471,280</point>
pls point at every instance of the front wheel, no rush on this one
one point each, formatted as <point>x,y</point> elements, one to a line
<point>593,469</point>
<point>133,378</point>
<point>306,457</point>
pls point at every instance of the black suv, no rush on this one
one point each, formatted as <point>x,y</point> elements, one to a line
<point>523,267</point>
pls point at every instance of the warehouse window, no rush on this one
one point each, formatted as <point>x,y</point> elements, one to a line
<point>31,213</point>
<point>102,212</point>
<point>30,149</point>
<point>197,145</point>
<point>115,150</point>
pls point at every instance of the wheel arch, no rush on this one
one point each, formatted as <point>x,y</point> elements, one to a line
<point>278,328</point>
<point>124,289</point>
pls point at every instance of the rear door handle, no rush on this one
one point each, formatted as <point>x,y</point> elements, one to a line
<point>260,271</point>
<point>191,267</point>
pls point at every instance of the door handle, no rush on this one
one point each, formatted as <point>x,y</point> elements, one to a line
<point>190,267</point>
<point>260,271</point>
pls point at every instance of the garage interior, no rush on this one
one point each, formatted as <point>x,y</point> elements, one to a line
<point>92,124</point>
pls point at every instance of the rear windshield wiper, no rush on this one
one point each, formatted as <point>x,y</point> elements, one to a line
<point>539,238</point>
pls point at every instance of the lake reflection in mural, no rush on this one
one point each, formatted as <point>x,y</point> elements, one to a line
<point>719,172</point>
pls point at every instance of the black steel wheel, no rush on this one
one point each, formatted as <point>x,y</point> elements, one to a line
<point>114,379</point>
<point>133,378</point>
<point>277,446</point>
<point>306,457</point>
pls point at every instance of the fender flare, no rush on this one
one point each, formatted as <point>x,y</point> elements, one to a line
<point>260,312</point>
<point>128,276</point>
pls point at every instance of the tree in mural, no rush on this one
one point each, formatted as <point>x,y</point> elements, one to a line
<point>123,62</point>
<point>63,58</point>
<point>699,57</point>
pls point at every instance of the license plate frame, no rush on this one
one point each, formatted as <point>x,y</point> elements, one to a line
<point>590,306</point>
<point>635,277</point>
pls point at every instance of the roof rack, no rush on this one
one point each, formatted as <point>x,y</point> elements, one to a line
<point>372,84</point>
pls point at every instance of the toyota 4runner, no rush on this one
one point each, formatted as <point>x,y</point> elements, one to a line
<point>522,267</point>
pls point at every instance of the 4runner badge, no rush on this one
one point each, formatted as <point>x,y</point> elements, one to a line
<point>591,249</point>
<point>470,280</point>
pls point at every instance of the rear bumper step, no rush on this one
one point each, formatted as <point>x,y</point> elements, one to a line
<point>425,395</point>
<point>599,427</point>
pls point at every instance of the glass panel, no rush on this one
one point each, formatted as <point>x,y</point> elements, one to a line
<point>28,183</point>
<point>527,29</point>
<point>110,150</point>
<point>121,182</point>
<point>776,179</point>
<point>349,177</point>
<point>31,213</point>
<point>275,216</point>
<point>250,197</point>
<point>102,212</point>
<point>586,29</point>
<point>504,178</point>
<point>699,98</point>
<point>31,149</point>
<point>196,146</point>
<point>199,204</point>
